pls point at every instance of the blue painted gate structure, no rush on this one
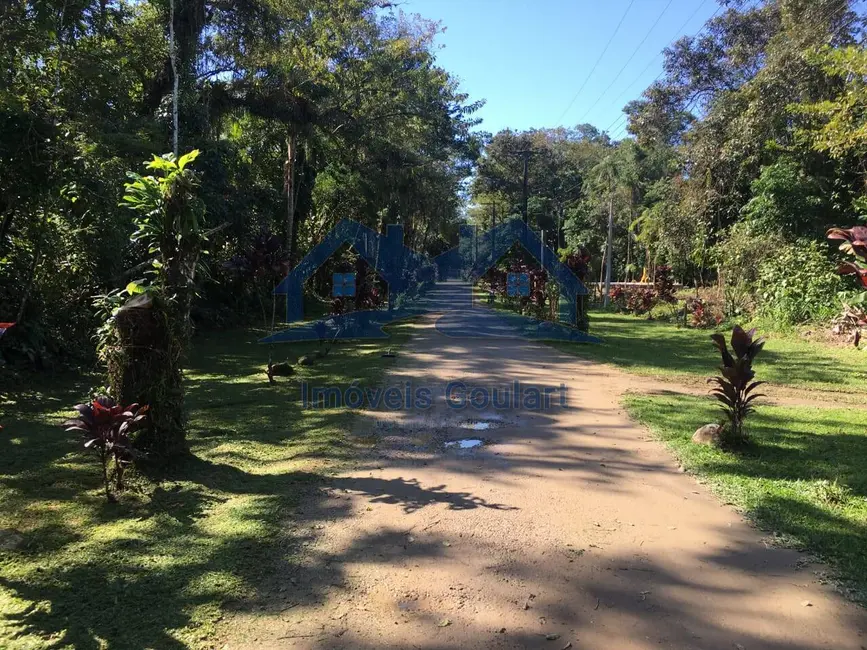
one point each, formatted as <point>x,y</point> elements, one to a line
<point>409,273</point>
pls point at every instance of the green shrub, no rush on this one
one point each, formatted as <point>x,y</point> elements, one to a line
<point>666,312</point>
<point>798,284</point>
<point>740,255</point>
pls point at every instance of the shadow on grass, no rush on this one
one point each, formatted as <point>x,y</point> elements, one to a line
<point>208,533</point>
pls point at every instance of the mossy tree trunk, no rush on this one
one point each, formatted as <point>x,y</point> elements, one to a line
<point>144,366</point>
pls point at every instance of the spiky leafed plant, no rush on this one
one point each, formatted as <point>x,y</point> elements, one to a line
<point>663,284</point>
<point>854,242</point>
<point>106,427</point>
<point>735,387</point>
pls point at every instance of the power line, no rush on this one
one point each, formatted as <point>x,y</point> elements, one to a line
<point>593,69</point>
<point>622,116</point>
<point>629,60</point>
<point>653,60</point>
<point>610,126</point>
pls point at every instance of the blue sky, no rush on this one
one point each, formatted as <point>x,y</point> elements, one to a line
<point>529,59</point>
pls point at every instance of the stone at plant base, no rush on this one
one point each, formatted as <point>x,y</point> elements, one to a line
<point>305,361</point>
<point>10,539</point>
<point>707,435</point>
<point>282,369</point>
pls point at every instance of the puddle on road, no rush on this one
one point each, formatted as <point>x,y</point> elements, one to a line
<point>480,425</point>
<point>464,443</point>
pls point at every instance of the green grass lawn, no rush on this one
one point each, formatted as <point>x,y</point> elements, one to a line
<point>155,569</point>
<point>803,477</point>
<point>662,349</point>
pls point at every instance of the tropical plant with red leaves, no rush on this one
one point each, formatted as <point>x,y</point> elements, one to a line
<point>618,299</point>
<point>369,294</point>
<point>701,313</point>
<point>853,242</point>
<point>260,267</point>
<point>735,386</point>
<point>579,263</point>
<point>338,306</point>
<point>106,427</point>
<point>538,292</point>
<point>640,301</point>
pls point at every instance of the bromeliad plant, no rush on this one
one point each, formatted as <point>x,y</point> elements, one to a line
<point>735,387</point>
<point>106,427</point>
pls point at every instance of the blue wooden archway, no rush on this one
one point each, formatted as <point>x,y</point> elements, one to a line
<point>476,253</point>
<point>401,267</point>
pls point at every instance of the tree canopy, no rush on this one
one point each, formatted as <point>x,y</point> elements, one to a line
<point>305,112</point>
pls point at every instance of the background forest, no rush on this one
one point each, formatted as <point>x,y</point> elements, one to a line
<point>305,112</point>
<point>745,150</point>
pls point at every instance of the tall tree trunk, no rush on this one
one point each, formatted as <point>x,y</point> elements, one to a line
<point>173,56</point>
<point>59,63</point>
<point>598,282</point>
<point>145,364</point>
<point>5,227</point>
<point>289,189</point>
<point>608,249</point>
<point>628,254</point>
<point>31,279</point>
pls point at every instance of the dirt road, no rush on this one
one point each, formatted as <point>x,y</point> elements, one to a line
<point>568,526</point>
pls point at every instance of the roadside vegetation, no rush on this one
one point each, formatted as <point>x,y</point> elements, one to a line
<point>654,348</point>
<point>157,568</point>
<point>800,478</point>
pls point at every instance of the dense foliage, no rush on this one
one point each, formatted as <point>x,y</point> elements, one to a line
<point>750,145</point>
<point>304,111</point>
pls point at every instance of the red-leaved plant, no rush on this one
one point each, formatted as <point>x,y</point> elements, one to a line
<point>854,242</point>
<point>106,427</point>
<point>735,387</point>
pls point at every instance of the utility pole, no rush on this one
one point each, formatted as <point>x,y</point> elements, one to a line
<point>493,207</point>
<point>525,156</point>
<point>608,253</point>
<point>526,167</point>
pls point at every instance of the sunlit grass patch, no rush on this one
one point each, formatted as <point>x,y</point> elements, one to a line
<point>158,568</point>
<point>661,349</point>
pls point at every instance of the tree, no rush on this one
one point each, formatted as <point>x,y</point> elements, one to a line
<point>146,349</point>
